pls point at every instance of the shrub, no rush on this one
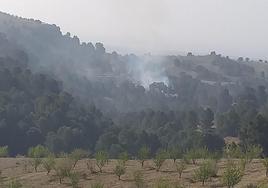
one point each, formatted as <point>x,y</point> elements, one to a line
<point>174,153</point>
<point>143,154</point>
<point>233,151</point>
<point>63,168</point>
<point>123,157</point>
<point>139,179</point>
<point>252,152</point>
<point>49,163</point>
<point>232,175</point>
<point>119,170</point>
<point>38,151</point>
<point>4,151</point>
<point>97,185</point>
<point>197,153</point>
<point>160,159</point>
<point>180,166</point>
<point>101,159</point>
<point>35,163</point>
<point>74,178</point>
<point>77,155</point>
<point>205,171</point>
<point>216,156</point>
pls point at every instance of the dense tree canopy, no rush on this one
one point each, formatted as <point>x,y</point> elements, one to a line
<point>59,92</point>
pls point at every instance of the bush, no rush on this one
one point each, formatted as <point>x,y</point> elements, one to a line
<point>123,157</point>
<point>119,170</point>
<point>233,151</point>
<point>175,153</point>
<point>197,153</point>
<point>232,175</point>
<point>216,156</point>
<point>77,155</point>
<point>4,151</point>
<point>143,154</point>
<point>97,185</point>
<point>49,163</point>
<point>138,179</point>
<point>160,158</point>
<point>38,151</point>
<point>63,168</point>
<point>36,162</point>
<point>180,166</point>
<point>205,171</point>
<point>101,159</point>
<point>252,152</point>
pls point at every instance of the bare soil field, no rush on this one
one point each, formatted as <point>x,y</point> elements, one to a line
<point>20,169</point>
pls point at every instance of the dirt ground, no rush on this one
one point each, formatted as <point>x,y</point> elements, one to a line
<point>20,169</point>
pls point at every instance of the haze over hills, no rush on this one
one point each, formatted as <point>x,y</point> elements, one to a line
<point>107,100</point>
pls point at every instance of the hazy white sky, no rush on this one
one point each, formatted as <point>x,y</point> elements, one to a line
<point>231,27</point>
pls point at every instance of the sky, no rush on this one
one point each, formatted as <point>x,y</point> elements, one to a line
<point>229,27</point>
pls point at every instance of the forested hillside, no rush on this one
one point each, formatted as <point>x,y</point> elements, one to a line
<point>59,92</point>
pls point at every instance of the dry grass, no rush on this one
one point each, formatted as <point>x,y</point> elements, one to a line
<point>16,168</point>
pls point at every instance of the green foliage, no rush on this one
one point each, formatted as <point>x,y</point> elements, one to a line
<point>139,179</point>
<point>4,151</point>
<point>119,170</point>
<point>232,175</point>
<point>180,167</point>
<point>123,157</point>
<point>143,154</point>
<point>97,185</point>
<point>233,151</point>
<point>36,162</point>
<point>196,153</point>
<point>38,151</point>
<point>206,170</point>
<point>175,153</point>
<point>160,158</point>
<point>74,178</point>
<point>77,155</point>
<point>63,168</point>
<point>253,152</point>
<point>101,159</point>
<point>216,156</point>
<point>48,163</point>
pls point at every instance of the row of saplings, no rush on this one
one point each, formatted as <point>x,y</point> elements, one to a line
<point>237,160</point>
